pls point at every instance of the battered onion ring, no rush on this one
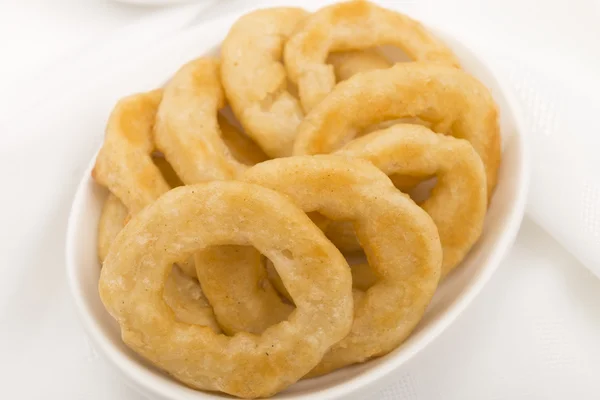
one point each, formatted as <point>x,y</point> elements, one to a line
<point>400,240</point>
<point>255,79</point>
<point>184,296</point>
<point>187,130</point>
<point>124,164</point>
<point>362,279</point>
<point>182,293</point>
<point>457,203</point>
<point>349,63</point>
<point>354,25</point>
<point>241,146</point>
<point>236,284</point>
<point>452,100</point>
<point>191,218</point>
<point>112,220</point>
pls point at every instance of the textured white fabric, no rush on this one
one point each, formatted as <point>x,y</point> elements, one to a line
<point>531,334</point>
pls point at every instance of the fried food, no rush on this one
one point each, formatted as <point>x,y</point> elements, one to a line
<point>112,220</point>
<point>453,101</point>
<point>184,296</point>
<point>124,164</point>
<point>201,145</point>
<point>346,64</point>
<point>242,148</point>
<point>235,281</point>
<point>255,80</point>
<point>182,293</point>
<point>400,241</point>
<point>166,170</point>
<point>187,131</point>
<point>354,25</point>
<point>129,167</point>
<point>192,218</point>
<point>362,279</point>
<point>457,203</point>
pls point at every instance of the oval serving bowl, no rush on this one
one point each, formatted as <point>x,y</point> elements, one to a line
<point>455,293</point>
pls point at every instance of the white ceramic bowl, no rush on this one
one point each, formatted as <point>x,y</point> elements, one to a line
<point>502,223</point>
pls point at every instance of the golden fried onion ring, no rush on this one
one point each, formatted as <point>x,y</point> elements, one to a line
<point>354,25</point>
<point>184,296</point>
<point>191,218</point>
<point>362,278</point>
<point>242,148</point>
<point>187,130</point>
<point>124,164</point>
<point>112,220</point>
<point>255,80</point>
<point>457,203</point>
<point>400,240</point>
<point>453,101</point>
<point>235,281</point>
<point>182,293</point>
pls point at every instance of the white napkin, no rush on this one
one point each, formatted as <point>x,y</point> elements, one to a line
<point>565,188</point>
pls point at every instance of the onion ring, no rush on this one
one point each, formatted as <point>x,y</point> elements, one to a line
<point>191,218</point>
<point>112,220</point>
<point>400,240</point>
<point>354,25</point>
<point>187,130</point>
<point>362,279</point>
<point>242,148</point>
<point>182,293</point>
<point>124,164</point>
<point>452,100</point>
<point>234,280</point>
<point>184,296</point>
<point>255,80</point>
<point>457,203</point>
<point>126,167</point>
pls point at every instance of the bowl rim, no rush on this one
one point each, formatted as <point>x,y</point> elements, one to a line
<point>138,376</point>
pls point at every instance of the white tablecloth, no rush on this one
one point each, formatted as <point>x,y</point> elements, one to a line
<point>531,334</point>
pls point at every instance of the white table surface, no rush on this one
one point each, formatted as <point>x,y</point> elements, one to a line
<point>509,344</point>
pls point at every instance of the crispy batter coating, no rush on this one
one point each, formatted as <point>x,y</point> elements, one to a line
<point>236,283</point>
<point>457,203</point>
<point>399,238</point>
<point>192,218</point>
<point>255,80</point>
<point>354,25</point>
<point>124,164</point>
<point>453,101</point>
<point>112,220</point>
<point>182,292</point>
<point>187,130</point>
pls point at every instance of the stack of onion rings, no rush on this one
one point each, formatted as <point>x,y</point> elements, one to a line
<point>218,213</point>
<point>225,268</point>
<point>354,25</point>
<point>453,101</point>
